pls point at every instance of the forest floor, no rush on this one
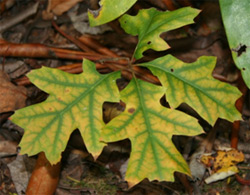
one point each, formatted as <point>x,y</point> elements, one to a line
<point>29,21</point>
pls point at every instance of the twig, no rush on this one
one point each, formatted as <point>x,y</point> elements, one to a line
<point>42,51</point>
<point>236,125</point>
<point>243,167</point>
<point>242,181</point>
<point>93,44</point>
<point>239,105</point>
<point>6,155</point>
<point>72,39</point>
<point>145,75</point>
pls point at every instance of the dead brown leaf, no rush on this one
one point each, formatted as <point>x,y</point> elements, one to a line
<point>58,7</point>
<point>11,96</point>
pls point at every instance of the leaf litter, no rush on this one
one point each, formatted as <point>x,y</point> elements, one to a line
<point>153,187</point>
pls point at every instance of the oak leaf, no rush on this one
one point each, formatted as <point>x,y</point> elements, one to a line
<point>150,128</point>
<point>75,101</point>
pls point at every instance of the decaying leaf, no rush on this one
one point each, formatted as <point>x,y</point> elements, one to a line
<point>75,101</point>
<point>222,164</point>
<point>150,127</point>
<point>15,68</point>
<point>103,15</point>
<point>148,24</point>
<point>11,96</point>
<point>21,169</point>
<point>58,7</point>
<point>193,84</point>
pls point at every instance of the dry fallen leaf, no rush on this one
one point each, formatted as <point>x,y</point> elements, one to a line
<point>20,170</point>
<point>222,164</point>
<point>58,7</point>
<point>11,96</point>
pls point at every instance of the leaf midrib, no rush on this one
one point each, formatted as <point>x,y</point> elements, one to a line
<point>150,137</point>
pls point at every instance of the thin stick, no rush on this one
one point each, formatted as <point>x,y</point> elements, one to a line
<point>72,39</point>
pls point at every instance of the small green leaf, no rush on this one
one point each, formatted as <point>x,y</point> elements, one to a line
<point>109,10</point>
<point>75,101</point>
<point>148,24</point>
<point>193,84</point>
<point>150,127</point>
<point>236,19</point>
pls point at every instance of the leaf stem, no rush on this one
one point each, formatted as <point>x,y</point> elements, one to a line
<point>130,63</point>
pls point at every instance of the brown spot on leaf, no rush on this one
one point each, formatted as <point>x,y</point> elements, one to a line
<point>59,99</point>
<point>131,110</point>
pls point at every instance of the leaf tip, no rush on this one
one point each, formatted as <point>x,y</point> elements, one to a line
<point>29,74</point>
<point>95,157</point>
<point>88,66</point>
<point>196,11</point>
<point>131,183</point>
<point>33,73</point>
